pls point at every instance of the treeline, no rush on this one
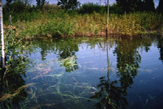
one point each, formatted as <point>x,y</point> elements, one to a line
<point>139,5</point>
<point>125,6</point>
<point>24,11</point>
<point>120,7</point>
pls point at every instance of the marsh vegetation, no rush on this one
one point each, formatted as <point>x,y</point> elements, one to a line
<point>49,66</point>
<point>89,20</point>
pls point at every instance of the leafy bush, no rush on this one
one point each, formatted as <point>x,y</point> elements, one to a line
<point>91,7</point>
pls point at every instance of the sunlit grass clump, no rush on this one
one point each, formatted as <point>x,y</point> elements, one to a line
<point>52,21</point>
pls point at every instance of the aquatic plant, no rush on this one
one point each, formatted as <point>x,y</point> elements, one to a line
<point>15,67</point>
<point>58,90</point>
<point>69,63</point>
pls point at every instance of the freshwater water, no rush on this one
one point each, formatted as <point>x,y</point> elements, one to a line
<point>86,73</point>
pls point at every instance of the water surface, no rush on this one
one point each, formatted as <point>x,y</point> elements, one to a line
<point>87,73</point>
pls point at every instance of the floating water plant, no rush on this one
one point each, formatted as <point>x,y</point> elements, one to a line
<point>69,63</point>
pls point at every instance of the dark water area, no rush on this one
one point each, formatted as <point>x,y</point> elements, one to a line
<point>86,73</point>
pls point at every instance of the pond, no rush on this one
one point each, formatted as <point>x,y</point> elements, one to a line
<point>86,73</point>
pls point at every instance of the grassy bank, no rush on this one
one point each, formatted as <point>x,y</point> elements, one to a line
<point>52,21</point>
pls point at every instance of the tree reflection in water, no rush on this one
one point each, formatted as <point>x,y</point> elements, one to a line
<point>66,54</point>
<point>128,59</point>
<point>112,93</point>
<point>160,47</point>
<point>65,51</point>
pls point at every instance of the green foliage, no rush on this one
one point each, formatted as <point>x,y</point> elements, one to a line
<point>149,20</point>
<point>159,8</point>
<point>126,5</point>
<point>90,24</point>
<point>51,27</point>
<point>15,62</point>
<point>136,5</point>
<point>19,10</point>
<point>51,8</point>
<point>68,4</point>
<point>40,3</point>
<point>89,20</point>
<point>149,5</point>
<point>69,63</point>
<point>115,9</point>
<point>89,8</point>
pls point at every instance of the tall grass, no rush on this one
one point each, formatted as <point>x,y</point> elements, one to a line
<point>52,21</point>
<point>46,27</point>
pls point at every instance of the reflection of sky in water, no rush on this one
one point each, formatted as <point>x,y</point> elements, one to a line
<point>146,90</point>
<point>150,59</point>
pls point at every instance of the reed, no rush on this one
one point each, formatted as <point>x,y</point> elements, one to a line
<point>52,21</point>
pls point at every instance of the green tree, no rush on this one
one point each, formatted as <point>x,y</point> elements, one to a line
<point>139,5</point>
<point>8,1</point>
<point>123,4</point>
<point>68,4</point>
<point>130,5</point>
<point>149,5</point>
<point>40,3</point>
<point>160,6</point>
<point>135,5</point>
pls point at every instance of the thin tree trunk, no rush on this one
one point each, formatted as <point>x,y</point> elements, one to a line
<point>2,37</point>
<point>10,22</point>
<point>107,18</point>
